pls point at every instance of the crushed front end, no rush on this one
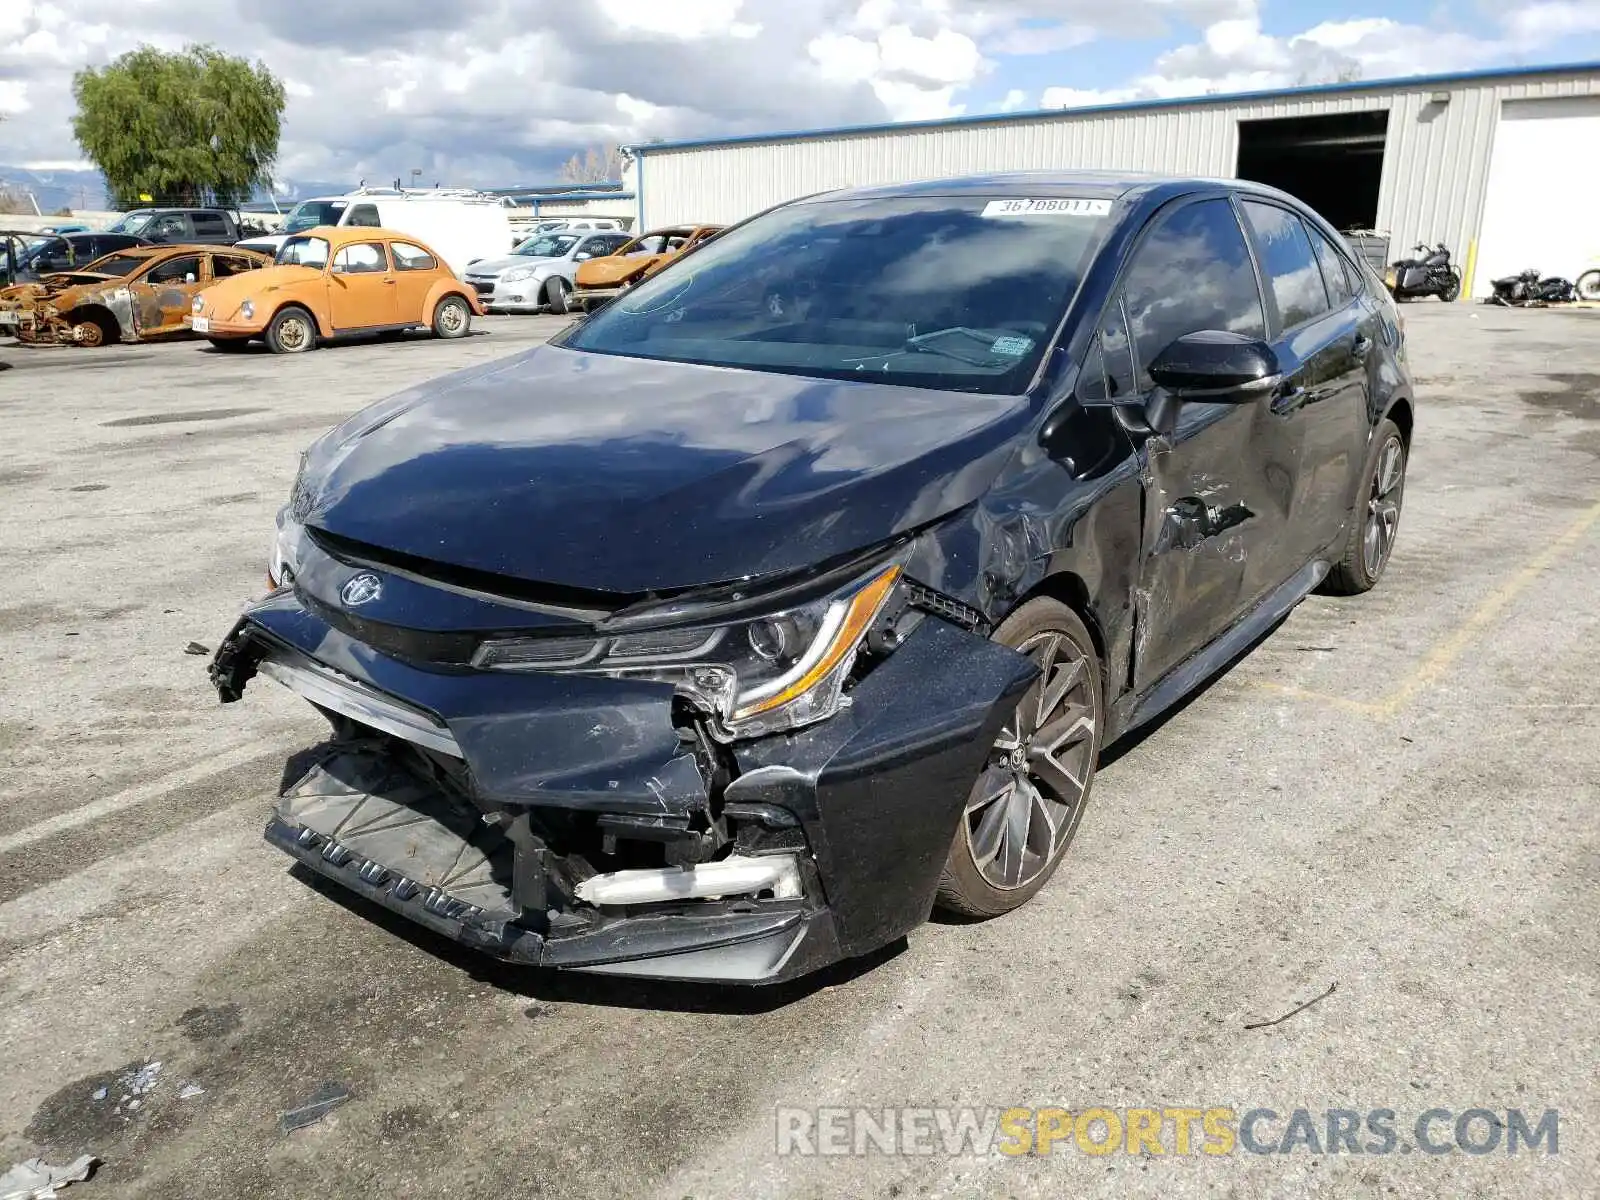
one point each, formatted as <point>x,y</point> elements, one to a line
<point>619,790</point>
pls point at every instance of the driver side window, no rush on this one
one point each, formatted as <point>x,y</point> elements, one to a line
<point>1192,271</point>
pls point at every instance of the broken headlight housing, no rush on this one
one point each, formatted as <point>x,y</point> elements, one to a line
<point>760,674</point>
<point>285,562</point>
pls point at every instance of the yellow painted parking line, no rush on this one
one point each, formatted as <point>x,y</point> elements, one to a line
<point>1443,656</point>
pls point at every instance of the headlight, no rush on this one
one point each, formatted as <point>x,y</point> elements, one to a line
<point>518,273</point>
<point>755,676</point>
<point>247,310</point>
<point>285,550</point>
<point>198,305</point>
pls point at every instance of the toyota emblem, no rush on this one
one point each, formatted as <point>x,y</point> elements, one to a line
<point>361,589</point>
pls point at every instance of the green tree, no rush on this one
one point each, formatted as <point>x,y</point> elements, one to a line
<point>195,127</point>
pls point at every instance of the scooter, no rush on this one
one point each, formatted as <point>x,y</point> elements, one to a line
<point>1428,274</point>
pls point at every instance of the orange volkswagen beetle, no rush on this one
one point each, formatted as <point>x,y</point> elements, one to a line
<point>333,282</point>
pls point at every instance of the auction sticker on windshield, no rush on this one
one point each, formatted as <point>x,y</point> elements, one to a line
<point>1061,206</point>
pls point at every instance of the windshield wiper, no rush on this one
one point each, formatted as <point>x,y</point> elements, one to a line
<point>922,343</point>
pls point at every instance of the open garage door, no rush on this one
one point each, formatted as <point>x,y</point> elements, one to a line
<point>1331,162</point>
<point>1542,203</point>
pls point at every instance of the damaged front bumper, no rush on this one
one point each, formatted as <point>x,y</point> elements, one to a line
<point>576,823</point>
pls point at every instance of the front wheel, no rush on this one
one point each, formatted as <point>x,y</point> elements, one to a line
<point>1451,290</point>
<point>555,293</point>
<point>1375,520</point>
<point>452,318</point>
<point>1588,286</point>
<point>291,331</point>
<point>1023,811</point>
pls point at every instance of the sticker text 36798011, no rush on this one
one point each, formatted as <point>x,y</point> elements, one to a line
<point>1059,206</point>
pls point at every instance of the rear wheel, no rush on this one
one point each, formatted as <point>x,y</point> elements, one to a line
<point>1023,811</point>
<point>555,295</point>
<point>291,331</point>
<point>1588,285</point>
<point>452,318</point>
<point>1375,520</point>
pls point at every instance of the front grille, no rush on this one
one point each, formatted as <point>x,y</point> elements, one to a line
<point>485,287</point>
<point>408,645</point>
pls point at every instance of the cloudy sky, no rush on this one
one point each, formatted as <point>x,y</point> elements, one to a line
<point>500,91</point>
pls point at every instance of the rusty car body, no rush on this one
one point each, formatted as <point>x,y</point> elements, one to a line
<point>128,296</point>
<point>337,281</point>
<point>603,279</point>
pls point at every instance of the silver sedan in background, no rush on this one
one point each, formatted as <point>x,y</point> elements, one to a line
<point>538,273</point>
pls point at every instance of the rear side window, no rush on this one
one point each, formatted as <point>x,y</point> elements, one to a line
<point>411,258</point>
<point>223,265</point>
<point>210,225</point>
<point>1334,270</point>
<point>1191,272</point>
<point>365,215</point>
<point>1288,262</point>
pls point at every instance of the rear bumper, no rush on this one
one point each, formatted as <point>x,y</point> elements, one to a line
<point>866,803</point>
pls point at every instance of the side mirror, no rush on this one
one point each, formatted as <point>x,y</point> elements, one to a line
<point>1217,367</point>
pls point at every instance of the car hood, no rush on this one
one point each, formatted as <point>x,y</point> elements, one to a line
<point>626,475</point>
<point>614,268</point>
<point>222,299</point>
<point>493,266</point>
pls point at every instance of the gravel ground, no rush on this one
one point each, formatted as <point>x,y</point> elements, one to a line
<point>1395,794</point>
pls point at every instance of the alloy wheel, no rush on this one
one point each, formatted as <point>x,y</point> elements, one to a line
<point>1028,801</point>
<point>1383,507</point>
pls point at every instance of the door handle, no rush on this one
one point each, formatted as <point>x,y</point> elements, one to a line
<point>1288,398</point>
<point>1362,346</point>
<point>389,282</point>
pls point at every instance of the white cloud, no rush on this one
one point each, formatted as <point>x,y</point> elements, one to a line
<point>1015,100</point>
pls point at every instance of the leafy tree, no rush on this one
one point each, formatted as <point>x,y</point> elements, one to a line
<point>598,164</point>
<point>195,127</point>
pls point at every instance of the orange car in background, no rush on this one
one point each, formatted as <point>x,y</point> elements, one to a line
<point>602,279</point>
<point>332,282</point>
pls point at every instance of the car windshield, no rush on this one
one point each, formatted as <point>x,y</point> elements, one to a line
<point>308,214</point>
<point>955,293</point>
<point>303,252</point>
<point>551,245</point>
<point>134,222</point>
<point>118,264</point>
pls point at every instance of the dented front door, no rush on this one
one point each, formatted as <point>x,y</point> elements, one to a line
<point>163,295</point>
<point>1219,484</point>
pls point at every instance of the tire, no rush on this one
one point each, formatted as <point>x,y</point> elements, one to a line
<point>452,318</point>
<point>555,293</point>
<point>291,331</point>
<point>229,345</point>
<point>990,868</point>
<point>1375,517</point>
<point>92,332</point>
<point>1588,285</point>
<point>1452,290</point>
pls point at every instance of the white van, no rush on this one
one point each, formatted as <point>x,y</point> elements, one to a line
<point>462,225</point>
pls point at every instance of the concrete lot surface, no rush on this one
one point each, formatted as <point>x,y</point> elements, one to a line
<point>1395,793</point>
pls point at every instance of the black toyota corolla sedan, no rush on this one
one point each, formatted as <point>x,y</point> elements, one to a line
<point>798,591</point>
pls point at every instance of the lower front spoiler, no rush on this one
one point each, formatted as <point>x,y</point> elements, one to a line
<point>751,948</point>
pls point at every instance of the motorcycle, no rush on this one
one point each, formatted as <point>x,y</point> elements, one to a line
<point>1530,288</point>
<point>1428,274</point>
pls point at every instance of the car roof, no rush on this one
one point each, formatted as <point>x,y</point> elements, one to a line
<point>1109,185</point>
<point>343,235</point>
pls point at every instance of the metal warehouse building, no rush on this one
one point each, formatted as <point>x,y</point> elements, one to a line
<point>1501,166</point>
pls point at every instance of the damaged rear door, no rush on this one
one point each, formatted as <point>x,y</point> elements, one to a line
<point>1219,484</point>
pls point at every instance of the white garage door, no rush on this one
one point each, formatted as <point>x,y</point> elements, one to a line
<point>1541,208</point>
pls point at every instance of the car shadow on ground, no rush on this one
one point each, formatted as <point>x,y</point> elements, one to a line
<point>544,985</point>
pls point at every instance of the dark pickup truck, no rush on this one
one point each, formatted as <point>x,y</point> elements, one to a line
<point>182,226</point>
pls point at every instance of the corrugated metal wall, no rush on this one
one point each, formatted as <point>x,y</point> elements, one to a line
<point>1435,163</point>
